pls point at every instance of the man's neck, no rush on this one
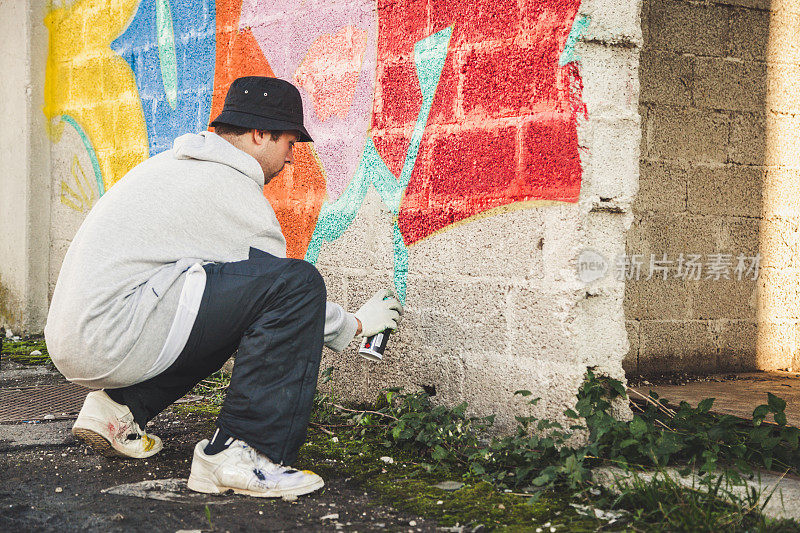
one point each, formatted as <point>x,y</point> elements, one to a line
<point>235,140</point>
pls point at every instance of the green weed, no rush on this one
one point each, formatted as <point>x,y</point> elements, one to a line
<point>539,461</point>
<point>19,351</point>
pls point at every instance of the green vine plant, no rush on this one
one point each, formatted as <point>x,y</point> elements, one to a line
<point>540,453</point>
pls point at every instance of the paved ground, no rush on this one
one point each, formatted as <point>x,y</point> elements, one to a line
<point>736,394</point>
<point>52,483</point>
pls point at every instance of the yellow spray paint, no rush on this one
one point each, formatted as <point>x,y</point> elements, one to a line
<point>78,195</point>
<point>88,81</point>
<point>148,442</point>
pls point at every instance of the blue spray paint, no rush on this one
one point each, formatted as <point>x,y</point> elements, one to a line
<point>579,26</point>
<point>174,73</point>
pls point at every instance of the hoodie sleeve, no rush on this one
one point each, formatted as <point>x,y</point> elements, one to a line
<point>340,327</point>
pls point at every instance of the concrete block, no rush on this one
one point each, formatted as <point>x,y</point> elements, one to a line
<point>357,379</point>
<point>731,298</point>
<point>496,81</point>
<point>367,243</point>
<point>692,135</point>
<point>783,86</point>
<point>780,199</point>
<point>646,235</point>
<point>677,347</point>
<point>562,241</point>
<point>662,187</point>
<point>604,234</point>
<point>777,295</point>
<point>763,5</point>
<point>445,330</point>
<point>362,285</point>
<point>613,21</point>
<point>657,299</point>
<point>730,190</point>
<point>784,26</point>
<point>336,286</point>
<point>486,245</point>
<point>737,345</point>
<point>739,236</point>
<point>538,324</point>
<point>749,34</point>
<point>390,80</point>
<point>727,84</point>
<point>775,344</point>
<point>748,138</point>
<point>686,28</point>
<point>549,156</point>
<point>783,140</point>
<point>666,77</point>
<point>459,314</point>
<point>778,243</point>
<point>403,23</point>
<point>789,6</point>
<point>631,362</point>
<point>488,21</point>
<point>600,330</point>
<point>615,159</point>
<point>414,367</point>
<point>610,80</point>
<point>490,381</point>
<point>686,234</point>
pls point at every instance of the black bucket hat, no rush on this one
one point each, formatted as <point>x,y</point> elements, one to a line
<point>263,103</point>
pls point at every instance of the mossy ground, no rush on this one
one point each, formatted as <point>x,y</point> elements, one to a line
<point>20,351</point>
<point>407,484</point>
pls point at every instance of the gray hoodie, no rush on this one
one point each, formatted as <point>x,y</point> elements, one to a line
<point>119,286</point>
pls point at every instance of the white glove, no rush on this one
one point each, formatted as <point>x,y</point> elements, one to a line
<point>379,313</point>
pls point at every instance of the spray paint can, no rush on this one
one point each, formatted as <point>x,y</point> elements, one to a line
<point>372,348</point>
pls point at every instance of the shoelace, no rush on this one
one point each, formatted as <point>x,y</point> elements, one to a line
<point>137,434</point>
<point>263,464</point>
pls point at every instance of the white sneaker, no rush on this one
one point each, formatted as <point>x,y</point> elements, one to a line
<point>108,428</point>
<point>244,470</point>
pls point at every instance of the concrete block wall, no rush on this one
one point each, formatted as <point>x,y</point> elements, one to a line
<point>465,154</point>
<point>704,83</point>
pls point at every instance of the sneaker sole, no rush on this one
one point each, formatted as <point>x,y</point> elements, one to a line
<point>97,442</point>
<point>211,488</point>
<point>103,446</point>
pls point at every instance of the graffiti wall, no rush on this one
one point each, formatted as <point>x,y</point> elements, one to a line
<point>447,112</point>
<point>465,152</point>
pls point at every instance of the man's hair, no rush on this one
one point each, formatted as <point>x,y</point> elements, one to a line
<point>230,129</point>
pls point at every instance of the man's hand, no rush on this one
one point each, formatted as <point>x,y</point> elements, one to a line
<point>379,313</point>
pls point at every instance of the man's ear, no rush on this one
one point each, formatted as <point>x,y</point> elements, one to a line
<point>257,137</point>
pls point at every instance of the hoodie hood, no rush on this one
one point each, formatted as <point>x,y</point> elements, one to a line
<point>208,146</point>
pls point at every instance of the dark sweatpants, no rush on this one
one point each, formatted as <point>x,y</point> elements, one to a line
<point>273,311</point>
